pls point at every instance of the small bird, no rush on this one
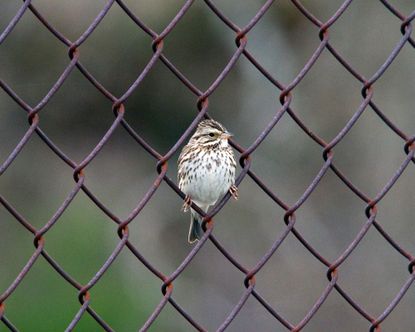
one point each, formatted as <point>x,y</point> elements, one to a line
<point>206,171</point>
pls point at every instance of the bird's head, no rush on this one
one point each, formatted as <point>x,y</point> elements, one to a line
<point>211,133</point>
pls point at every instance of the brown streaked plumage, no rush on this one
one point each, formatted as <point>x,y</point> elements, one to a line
<point>206,171</point>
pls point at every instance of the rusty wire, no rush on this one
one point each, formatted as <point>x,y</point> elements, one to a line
<point>285,98</point>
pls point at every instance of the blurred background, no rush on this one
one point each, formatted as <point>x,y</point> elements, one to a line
<point>76,118</point>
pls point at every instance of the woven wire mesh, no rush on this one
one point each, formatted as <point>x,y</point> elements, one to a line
<point>286,92</point>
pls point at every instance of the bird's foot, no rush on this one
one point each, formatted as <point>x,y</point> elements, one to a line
<point>234,192</point>
<point>187,203</point>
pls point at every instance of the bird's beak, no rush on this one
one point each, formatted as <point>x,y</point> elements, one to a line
<point>226,135</point>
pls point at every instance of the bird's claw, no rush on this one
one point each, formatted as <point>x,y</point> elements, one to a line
<point>234,192</point>
<point>187,203</point>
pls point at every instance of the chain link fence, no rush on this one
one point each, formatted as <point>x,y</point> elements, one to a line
<point>284,107</point>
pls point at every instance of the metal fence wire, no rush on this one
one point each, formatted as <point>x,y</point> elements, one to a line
<point>286,93</point>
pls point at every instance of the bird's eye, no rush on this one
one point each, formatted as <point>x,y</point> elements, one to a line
<point>211,134</point>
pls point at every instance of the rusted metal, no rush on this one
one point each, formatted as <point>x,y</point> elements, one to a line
<point>287,91</point>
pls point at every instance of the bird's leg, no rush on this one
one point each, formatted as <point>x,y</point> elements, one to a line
<point>234,192</point>
<point>187,203</point>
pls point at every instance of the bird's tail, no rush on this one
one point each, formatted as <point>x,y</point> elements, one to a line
<point>195,231</point>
